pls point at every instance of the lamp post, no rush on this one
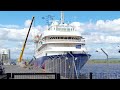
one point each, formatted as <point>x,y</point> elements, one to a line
<point>106,59</point>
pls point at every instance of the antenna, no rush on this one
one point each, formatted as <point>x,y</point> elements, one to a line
<point>48,18</point>
<point>62,17</point>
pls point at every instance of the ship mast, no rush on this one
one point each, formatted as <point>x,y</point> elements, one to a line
<point>62,17</point>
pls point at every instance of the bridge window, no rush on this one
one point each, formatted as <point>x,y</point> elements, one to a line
<point>65,37</point>
<point>61,37</point>
<point>69,37</point>
<point>68,29</point>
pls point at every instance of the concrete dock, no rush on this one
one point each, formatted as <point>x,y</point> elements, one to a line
<point>2,76</point>
<point>18,69</point>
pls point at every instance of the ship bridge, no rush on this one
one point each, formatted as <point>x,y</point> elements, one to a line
<point>57,28</point>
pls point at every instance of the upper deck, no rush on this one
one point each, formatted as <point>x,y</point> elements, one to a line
<point>57,29</point>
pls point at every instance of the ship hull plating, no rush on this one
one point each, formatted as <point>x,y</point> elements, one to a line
<point>68,65</point>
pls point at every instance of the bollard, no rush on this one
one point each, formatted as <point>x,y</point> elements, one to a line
<point>57,76</point>
<point>8,75</point>
<point>12,75</point>
<point>90,75</point>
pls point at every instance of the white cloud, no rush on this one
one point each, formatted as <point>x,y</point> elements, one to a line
<point>101,38</point>
<point>105,25</point>
<point>102,31</point>
<point>9,26</point>
<point>95,37</point>
<point>112,39</point>
<point>27,23</point>
<point>113,25</point>
<point>13,38</point>
<point>78,26</point>
<point>17,34</point>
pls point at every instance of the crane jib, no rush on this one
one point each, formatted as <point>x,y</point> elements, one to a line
<point>21,54</point>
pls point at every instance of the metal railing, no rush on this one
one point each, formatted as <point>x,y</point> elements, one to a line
<point>32,76</point>
<point>57,76</point>
<point>99,76</point>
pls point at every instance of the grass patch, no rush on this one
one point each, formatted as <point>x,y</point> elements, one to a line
<point>103,61</point>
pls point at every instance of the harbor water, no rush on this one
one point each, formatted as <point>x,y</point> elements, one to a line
<point>102,71</point>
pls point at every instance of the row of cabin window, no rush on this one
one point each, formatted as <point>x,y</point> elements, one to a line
<point>64,29</point>
<point>64,38</point>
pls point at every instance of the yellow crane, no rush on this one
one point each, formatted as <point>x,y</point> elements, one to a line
<point>21,54</point>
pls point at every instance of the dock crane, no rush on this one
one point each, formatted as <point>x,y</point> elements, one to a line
<point>22,51</point>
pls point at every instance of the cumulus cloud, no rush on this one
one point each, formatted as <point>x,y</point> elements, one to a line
<point>9,26</point>
<point>101,38</point>
<point>27,23</point>
<point>105,25</point>
<point>113,25</point>
<point>13,37</point>
<point>103,34</point>
<point>17,34</point>
<point>78,26</point>
<point>102,31</point>
<point>112,39</point>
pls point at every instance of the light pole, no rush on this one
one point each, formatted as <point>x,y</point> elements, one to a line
<point>106,59</point>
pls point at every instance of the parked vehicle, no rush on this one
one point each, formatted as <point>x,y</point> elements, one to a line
<point>2,70</point>
<point>12,63</point>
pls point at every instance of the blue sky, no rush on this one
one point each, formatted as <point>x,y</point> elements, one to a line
<point>18,17</point>
<point>101,29</point>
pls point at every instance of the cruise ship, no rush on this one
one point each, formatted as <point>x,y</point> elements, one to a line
<point>61,49</point>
